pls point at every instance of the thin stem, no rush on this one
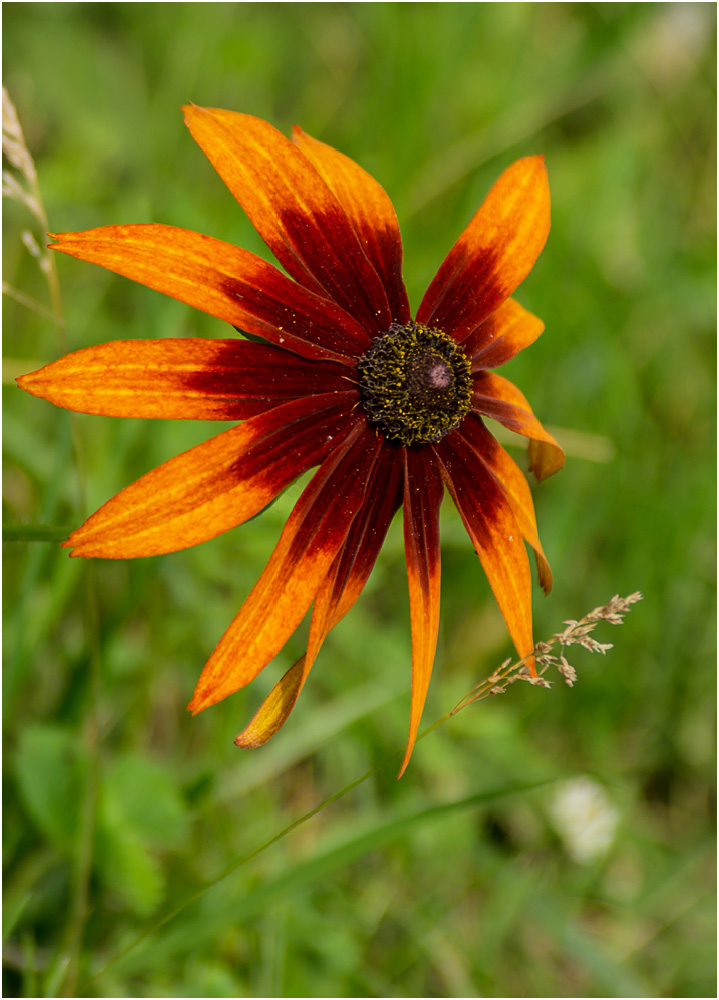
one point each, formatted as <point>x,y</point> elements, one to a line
<point>26,301</point>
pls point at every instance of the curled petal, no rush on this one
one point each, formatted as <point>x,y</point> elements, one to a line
<point>501,336</point>
<point>275,710</point>
<point>339,590</point>
<point>515,486</point>
<point>498,398</point>
<point>185,379</point>
<point>497,539</point>
<point>494,254</point>
<point>423,493</point>
<point>312,537</point>
<point>216,485</point>
<point>370,212</point>
<point>292,209</point>
<point>224,281</point>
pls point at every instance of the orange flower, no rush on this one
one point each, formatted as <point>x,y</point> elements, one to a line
<point>337,375</point>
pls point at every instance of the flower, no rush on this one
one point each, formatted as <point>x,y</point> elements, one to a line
<point>336,374</point>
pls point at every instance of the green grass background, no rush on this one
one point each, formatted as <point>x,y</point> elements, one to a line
<point>120,808</point>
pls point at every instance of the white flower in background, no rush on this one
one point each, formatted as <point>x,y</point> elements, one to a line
<point>584,818</point>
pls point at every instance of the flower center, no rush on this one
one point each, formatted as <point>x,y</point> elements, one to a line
<point>415,383</point>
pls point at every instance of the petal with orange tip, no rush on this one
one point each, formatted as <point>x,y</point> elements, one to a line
<point>339,591</point>
<point>182,379</point>
<point>501,336</point>
<point>370,212</point>
<point>224,281</point>
<point>499,399</point>
<point>494,254</point>
<point>423,492</point>
<point>293,210</point>
<point>495,534</point>
<point>515,486</point>
<point>312,537</point>
<point>215,485</point>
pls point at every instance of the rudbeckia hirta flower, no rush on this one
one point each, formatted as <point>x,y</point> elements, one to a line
<point>337,375</point>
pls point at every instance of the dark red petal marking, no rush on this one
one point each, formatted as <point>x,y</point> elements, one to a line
<point>423,493</point>
<point>339,590</point>
<point>370,212</point>
<point>187,379</point>
<point>224,281</point>
<point>501,336</point>
<point>512,480</point>
<point>216,485</point>
<point>494,254</point>
<point>497,539</point>
<point>312,537</point>
<point>498,398</point>
<point>293,210</point>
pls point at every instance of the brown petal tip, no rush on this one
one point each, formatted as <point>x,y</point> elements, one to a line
<point>247,743</point>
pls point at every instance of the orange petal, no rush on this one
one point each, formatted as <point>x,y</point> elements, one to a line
<point>423,493</point>
<point>494,254</point>
<point>497,539</point>
<point>292,209</point>
<point>513,481</point>
<point>216,485</point>
<point>499,399</point>
<point>224,281</point>
<point>370,212</point>
<point>338,592</point>
<point>181,379</point>
<point>502,335</point>
<point>309,543</point>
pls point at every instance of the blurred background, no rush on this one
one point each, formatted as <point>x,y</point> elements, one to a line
<point>546,843</point>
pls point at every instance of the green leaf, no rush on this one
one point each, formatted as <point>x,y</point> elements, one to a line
<point>128,869</point>
<point>142,796</point>
<point>51,770</point>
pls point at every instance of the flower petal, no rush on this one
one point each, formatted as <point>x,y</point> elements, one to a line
<point>216,485</point>
<point>185,379</point>
<point>312,537</point>
<point>501,336</point>
<point>513,481</point>
<point>224,281</point>
<point>497,539</point>
<point>340,589</point>
<point>292,209</point>
<point>494,254</point>
<point>275,710</point>
<point>499,399</point>
<point>370,212</point>
<point>423,493</point>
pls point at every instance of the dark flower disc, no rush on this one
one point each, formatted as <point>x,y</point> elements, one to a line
<point>415,383</point>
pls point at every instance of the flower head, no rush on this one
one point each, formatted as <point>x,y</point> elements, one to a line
<point>337,375</point>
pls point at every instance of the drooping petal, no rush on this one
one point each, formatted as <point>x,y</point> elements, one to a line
<point>371,213</point>
<point>497,539</point>
<point>340,589</point>
<point>292,209</point>
<point>502,335</point>
<point>275,710</point>
<point>184,379</point>
<point>224,281</point>
<point>515,486</point>
<point>216,485</point>
<point>498,398</point>
<point>494,254</point>
<point>312,537</point>
<point>423,493</point>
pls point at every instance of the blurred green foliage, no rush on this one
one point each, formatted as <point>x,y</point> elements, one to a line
<point>120,809</point>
